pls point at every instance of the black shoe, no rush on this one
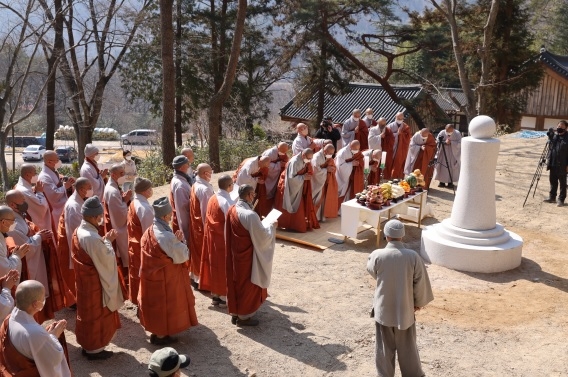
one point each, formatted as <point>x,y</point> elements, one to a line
<point>441,184</point>
<point>103,355</point>
<point>550,200</point>
<point>450,185</point>
<point>162,341</point>
<point>559,203</point>
<point>194,285</point>
<point>73,307</point>
<point>217,301</point>
<point>234,319</point>
<point>247,322</point>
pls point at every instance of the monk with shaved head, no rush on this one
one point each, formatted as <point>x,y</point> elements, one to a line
<point>381,139</point>
<point>201,192</point>
<point>354,128</point>
<point>294,194</point>
<point>324,184</point>
<point>26,348</point>
<point>212,274</point>
<point>349,173</point>
<point>278,155</point>
<point>402,134</point>
<point>56,187</point>
<point>254,172</point>
<point>33,189</point>
<point>302,140</point>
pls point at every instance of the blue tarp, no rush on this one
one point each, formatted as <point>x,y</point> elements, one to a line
<point>529,134</point>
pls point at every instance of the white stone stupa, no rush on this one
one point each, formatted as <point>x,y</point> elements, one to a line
<point>471,239</point>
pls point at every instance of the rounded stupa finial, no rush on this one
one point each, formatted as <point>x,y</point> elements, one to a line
<point>482,127</point>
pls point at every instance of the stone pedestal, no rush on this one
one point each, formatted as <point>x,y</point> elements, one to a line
<point>471,239</point>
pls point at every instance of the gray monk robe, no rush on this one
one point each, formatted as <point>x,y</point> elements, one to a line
<point>402,284</point>
<point>453,152</point>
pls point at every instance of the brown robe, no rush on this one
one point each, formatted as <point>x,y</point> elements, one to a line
<point>63,254</point>
<point>196,231</point>
<point>175,223</point>
<point>263,204</point>
<point>96,324</point>
<point>329,197</point>
<point>243,297</point>
<point>165,298</point>
<point>387,144</point>
<point>357,177</point>
<point>404,135</point>
<point>305,217</point>
<point>212,274</point>
<point>363,135</point>
<point>122,271</point>
<point>134,237</point>
<point>13,363</point>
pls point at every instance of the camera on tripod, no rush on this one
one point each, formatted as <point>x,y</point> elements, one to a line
<point>441,138</point>
<point>550,133</point>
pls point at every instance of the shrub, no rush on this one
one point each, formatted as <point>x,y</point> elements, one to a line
<point>152,168</point>
<point>232,152</point>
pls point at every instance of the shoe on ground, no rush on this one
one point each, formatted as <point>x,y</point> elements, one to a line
<point>217,301</point>
<point>450,185</point>
<point>103,355</point>
<point>441,184</point>
<point>194,285</point>
<point>550,200</point>
<point>154,339</point>
<point>234,319</point>
<point>73,307</point>
<point>559,204</point>
<point>247,322</point>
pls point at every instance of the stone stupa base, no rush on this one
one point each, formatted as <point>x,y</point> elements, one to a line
<point>486,251</point>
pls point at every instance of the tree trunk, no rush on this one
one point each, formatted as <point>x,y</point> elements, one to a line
<point>216,104</point>
<point>169,81</point>
<point>179,88</point>
<point>50,103</point>
<point>485,55</point>
<point>322,72</point>
<point>3,165</point>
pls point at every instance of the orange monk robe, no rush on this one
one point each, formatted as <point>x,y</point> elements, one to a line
<point>374,177</point>
<point>140,218</point>
<point>294,197</point>
<point>201,192</point>
<point>400,151</point>
<point>324,187</point>
<point>275,168</point>
<point>350,178</point>
<point>243,296</point>
<point>166,301</point>
<point>212,274</point>
<point>249,173</point>
<point>387,144</point>
<point>96,323</point>
<point>122,271</point>
<point>363,135</point>
<point>59,295</point>
<point>64,255</point>
<point>263,204</point>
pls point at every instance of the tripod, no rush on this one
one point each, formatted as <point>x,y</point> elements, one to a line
<point>538,172</point>
<point>440,146</point>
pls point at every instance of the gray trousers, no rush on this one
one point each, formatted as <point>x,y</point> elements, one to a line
<point>390,340</point>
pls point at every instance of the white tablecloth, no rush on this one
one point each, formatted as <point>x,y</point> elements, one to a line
<point>353,213</point>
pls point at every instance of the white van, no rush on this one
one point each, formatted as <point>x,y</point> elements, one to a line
<point>148,137</point>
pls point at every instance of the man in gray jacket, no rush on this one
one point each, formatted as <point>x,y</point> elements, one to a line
<point>403,287</point>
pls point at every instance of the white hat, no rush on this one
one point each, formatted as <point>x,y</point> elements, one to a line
<point>394,229</point>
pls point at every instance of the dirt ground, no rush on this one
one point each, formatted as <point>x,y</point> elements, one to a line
<point>316,322</point>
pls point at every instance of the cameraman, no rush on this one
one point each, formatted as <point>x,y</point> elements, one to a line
<point>328,132</point>
<point>558,163</point>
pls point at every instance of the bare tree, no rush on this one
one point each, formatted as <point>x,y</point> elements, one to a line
<point>99,33</point>
<point>448,8</point>
<point>19,44</point>
<point>216,103</point>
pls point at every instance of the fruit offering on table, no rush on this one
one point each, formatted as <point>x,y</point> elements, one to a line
<point>397,191</point>
<point>411,180</point>
<point>374,195</point>
<point>419,178</point>
<point>386,190</point>
<point>362,196</point>
<point>405,186</point>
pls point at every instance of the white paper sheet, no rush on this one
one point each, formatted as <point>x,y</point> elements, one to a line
<point>271,218</point>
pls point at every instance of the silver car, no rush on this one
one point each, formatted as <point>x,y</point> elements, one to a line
<point>148,137</point>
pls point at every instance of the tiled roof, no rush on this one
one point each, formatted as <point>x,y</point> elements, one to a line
<point>444,96</point>
<point>557,63</point>
<point>359,96</point>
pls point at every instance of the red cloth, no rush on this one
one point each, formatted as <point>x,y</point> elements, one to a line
<point>12,362</point>
<point>404,135</point>
<point>243,297</point>
<point>357,177</point>
<point>363,135</point>
<point>96,324</point>
<point>305,217</point>
<point>196,233</point>
<point>387,144</point>
<point>59,294</point>
<point>134,236</point>
<point>263,205</point>
<point>424,157</point>
<point>122,271</point>
<point>166,301</point>
<point>329,196</point>
<point>212,274</point>
<point>63,254</point>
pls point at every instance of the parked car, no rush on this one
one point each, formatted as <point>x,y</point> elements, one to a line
<point>33,152</point>
<point>140,137</point>
<point>66,154</point>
